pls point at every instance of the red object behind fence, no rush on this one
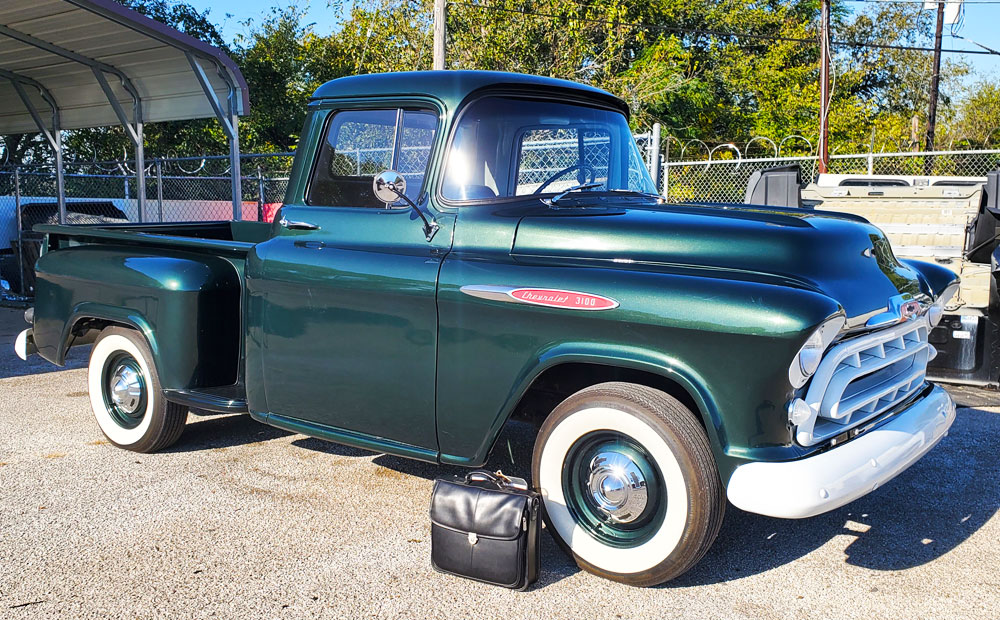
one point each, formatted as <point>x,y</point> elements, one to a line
<point>270,208</point>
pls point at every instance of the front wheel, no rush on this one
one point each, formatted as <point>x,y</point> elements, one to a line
<point>125,394</point>
<point>628,482</point>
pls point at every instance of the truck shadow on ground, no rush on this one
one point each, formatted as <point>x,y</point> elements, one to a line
<point>210,432</point>
<point>13,366</point>
<point>918,517</point>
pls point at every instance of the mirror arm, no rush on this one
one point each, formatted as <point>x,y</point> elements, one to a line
<point>430,226</point>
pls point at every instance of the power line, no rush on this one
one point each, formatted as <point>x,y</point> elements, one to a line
<point>716,33</point>
<point>965,2</point>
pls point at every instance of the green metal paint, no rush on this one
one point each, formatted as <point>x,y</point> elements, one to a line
<point>359,331</point>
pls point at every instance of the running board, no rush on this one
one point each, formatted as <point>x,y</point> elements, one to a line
<point>225,399</point>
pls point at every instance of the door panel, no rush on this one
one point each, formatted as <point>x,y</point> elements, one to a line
<point>348,321</point>
<point>344,294</point>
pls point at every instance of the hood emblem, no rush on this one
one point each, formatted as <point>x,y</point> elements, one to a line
<point>900,308</point>
<point>549,297</point>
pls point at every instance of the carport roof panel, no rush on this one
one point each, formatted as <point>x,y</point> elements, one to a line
<point>150,54</point>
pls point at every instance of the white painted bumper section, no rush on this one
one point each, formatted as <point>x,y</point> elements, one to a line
<point>24,345</point>
<point>816,484</point>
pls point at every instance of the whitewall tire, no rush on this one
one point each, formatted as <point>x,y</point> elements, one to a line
<point>126,396</point>
<point>628,481</point>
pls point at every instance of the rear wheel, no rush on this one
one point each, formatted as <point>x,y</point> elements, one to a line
<point>629,484</point>
<point>125,394</point>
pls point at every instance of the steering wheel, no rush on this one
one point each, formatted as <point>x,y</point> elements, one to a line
<point>590,176</point>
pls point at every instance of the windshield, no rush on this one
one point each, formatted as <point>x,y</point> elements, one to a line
<point>505,147</point>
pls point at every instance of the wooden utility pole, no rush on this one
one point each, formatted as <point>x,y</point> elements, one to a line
<point>824,87</point>
<point>440,34</point>
<point>935,79</point>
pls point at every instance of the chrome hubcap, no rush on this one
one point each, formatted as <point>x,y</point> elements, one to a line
<point>617,486</point>
<point>126,389</point>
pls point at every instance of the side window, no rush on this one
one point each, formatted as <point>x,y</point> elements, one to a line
<point>361,143</point>
<point>415,142</point>
<point>559,158</point>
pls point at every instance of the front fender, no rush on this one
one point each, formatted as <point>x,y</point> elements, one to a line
<point>934,279</point>
<point>727,342</point>
<point>624,356</point>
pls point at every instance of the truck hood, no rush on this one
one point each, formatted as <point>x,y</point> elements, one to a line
<point>839,255</point>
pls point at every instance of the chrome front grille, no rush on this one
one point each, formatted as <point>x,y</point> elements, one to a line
<point>862,377</point>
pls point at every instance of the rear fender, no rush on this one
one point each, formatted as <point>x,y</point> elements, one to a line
<point>186,305</point>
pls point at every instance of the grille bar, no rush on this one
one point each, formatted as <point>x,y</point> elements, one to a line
<point>862,377</point>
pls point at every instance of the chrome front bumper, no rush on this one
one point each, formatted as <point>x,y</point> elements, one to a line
<point>816,484</point>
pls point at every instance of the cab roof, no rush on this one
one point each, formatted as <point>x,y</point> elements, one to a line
<point>452,87</point>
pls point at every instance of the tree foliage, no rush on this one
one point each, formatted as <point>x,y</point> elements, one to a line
<point>716,70</point>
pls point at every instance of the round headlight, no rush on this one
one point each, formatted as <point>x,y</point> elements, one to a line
<point>809,360</point>
<point>810,356</point>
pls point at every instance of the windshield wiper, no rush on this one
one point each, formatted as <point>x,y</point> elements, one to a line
<point>576,188</point>
<point>636,192</point>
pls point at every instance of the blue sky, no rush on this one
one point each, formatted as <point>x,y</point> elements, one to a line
<point>982,24</point>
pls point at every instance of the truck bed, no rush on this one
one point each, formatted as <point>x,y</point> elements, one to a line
<point>224,238</point>
<point>180,284</point>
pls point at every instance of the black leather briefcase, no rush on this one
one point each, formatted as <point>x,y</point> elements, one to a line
<point>485,527</point>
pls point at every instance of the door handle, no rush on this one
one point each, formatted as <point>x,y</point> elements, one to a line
<point>295,225</point>
<point>310,245</point>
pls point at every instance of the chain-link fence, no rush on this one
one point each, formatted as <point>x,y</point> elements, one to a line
<point>725,178</point>
<point>177,190</point>
<point>200,188</point>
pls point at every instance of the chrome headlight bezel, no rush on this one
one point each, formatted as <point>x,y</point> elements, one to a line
<point>936,310</point>
<point>806,362</point>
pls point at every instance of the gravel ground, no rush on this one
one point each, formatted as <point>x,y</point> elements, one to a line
<point>243,520</point>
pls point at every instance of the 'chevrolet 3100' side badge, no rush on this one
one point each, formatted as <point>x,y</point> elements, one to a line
<point>550,297</point>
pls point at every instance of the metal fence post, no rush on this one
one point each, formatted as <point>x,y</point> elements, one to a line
<point>654,145</point>
<point>127,192</point>
<point>871,164</point>
<point>20,226</point>
<point>260,195</point>
<point>159,190</point>
<point>666,172</point>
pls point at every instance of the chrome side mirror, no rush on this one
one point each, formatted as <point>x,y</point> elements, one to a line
<point>389,186</point>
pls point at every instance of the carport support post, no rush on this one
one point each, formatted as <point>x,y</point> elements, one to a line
<point>20,225</point>
<point>234,161</point>
<point>230,121</point>
<point>60,182</point>
<point>54,138</point>
<point>140,167</point>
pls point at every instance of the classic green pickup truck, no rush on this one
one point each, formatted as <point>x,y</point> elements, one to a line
<point>460,248</point>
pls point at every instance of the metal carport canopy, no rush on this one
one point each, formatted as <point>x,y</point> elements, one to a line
<point>72,64</point>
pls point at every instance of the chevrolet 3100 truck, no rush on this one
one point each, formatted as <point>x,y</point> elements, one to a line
<point>457,248</point>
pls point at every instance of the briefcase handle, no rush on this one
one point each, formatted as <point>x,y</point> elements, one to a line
<point>498,478</point>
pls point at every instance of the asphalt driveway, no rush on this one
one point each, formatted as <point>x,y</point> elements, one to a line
<point>241,520</point>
